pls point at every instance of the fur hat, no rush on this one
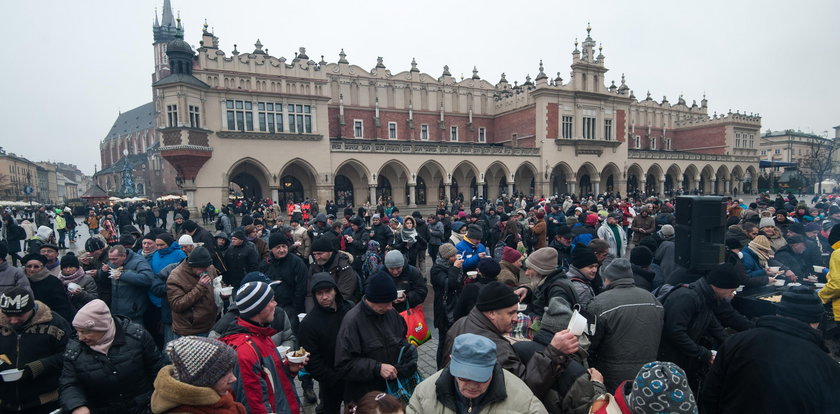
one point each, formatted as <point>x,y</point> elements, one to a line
<point>322,244</point>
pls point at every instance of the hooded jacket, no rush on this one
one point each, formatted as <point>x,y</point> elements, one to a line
<point>49,290</point>
<point>173,396</point>
<point>506,394</point>
<point>318,334</point>
<point>38,346</point>
<point>340,267</point>
<point>11,276</point>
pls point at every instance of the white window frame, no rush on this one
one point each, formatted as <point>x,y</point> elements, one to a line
<point>653,143</point>
<point>567,126</point>
<point>608,130</point>
<point>637,142</point>
<point>482,135</point>
<point>195,116</point>
<point>453,133</point>
<point>361,128</point>
<point>392,130</point>
<point>668,144</point>
<point>172,115</point>
<point>424,132</point>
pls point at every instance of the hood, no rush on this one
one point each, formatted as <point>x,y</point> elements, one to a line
<point>321,217</point>
<point>43,233</point>
<point>170,393</point>
<point>172,247</point>
<point>322,280</point>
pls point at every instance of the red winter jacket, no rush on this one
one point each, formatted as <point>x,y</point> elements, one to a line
<point>259,369</point>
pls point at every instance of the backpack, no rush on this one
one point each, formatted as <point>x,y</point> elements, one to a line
<point>219,226</point>
<point>664,291</point>
<point>530,237</point>
<point>498,249</point>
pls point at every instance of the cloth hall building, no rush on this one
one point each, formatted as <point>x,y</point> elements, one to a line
<point>292,128</point>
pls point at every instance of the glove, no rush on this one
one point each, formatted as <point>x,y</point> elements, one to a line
<point>27,373</point>
<point>5,365</point>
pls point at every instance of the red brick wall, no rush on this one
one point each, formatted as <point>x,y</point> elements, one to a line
<point>553,128</point>
<point>620,123</point>
<point>521,122</point>
<point>712,138</point>
<point>404,133</point>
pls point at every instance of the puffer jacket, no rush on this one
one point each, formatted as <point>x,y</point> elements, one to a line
<point>540,372</point>
<point>173,396</point>
<point>506,394</point>
<point>129,293</point>
<point>193,304</point>
<point>629,328</point>
<point>11,276</point>
<point>38,346</point>
<point>120,382</point>
<point>831,292</point>
<point>370,339</point>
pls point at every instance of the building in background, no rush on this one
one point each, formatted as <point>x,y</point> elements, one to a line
<point>249,123</point>
<point>16,174</point>
<point>793,160</point>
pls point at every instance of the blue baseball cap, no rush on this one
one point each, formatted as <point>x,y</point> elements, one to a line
<point>473,358</point>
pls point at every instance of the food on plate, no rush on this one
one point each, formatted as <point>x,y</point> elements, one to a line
<point>773,298</point>
<point>300,352</point>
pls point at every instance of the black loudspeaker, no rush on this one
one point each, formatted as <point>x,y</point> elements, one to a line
<point>700,230</point>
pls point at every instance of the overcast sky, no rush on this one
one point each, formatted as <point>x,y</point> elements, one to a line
<point>71,66</point>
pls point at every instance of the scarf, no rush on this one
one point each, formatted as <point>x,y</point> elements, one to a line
<point>74,278</point>
<point>759,251</point>
<point>41,275</point>
<point>107,340</point>
<point>408,236</point>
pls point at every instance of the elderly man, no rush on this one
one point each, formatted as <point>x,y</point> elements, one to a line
<point>411,285</point>
<point>550,281</point>
<point>612,232</point>
<point>32,338</point>
<point>372,334</point>
<point>626,315</point>
<point>50,251</point>
<point>473,381</point>
<point>492,317</point>
<point>130,277</point>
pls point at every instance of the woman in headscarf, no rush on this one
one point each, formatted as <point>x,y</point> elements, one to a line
<point>110,367</point>
<point>459,230</point>
<point>408,240</point>
<point>755,257</point>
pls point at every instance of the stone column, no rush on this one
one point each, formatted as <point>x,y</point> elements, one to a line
<point>510,188</point>
<point>447,187</point>
<point>480,189</point>
<point>275,193</point>
<point>570,186</point>
<point>596,187</point>
<point>372,194</point>
<point>412,202</point>
<point>661,187</point>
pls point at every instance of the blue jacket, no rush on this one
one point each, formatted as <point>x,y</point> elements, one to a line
<point>129,293</point>
<point>162,258</point>
<point>469,253</point>
<point>751,264</point>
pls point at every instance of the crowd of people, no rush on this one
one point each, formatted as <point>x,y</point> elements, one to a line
<point>562,305</point>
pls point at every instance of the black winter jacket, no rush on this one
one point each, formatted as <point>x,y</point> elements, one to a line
<point>785,358</point>
<point>120,382</point>
<point>38,346</point>
<point>369,340</point>
<point>291,272</point>
<point>689,318</point>
<point>447,281</point>
<point>318,334</point>
<point>414,285</point>
<point>555,284</point>
<point>240,260</point>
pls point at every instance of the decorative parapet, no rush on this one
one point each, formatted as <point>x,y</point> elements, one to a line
<point>688,156</point>
<point>439,148</point>
<point>174,136</point>
<point>269,136</point>
<point>588,146</point>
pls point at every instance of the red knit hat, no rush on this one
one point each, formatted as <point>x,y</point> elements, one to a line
<point>510,255</point>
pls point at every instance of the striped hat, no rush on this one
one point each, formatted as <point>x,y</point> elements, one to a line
<point>200,361</point>
<point>252,297</point>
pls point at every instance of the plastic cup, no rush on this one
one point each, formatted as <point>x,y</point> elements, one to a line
<point>301,316</point>
<point>779,282</point>
<point>73,287</point>
<point>522,307</point>
<point>577,324</point>
<point>819,269</point>
<point>472,274</point>
<point>774,268</point>
<point>11,375</point>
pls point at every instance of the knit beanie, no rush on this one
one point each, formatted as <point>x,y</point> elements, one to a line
<point>661,387</point>
<point>394,259</point>
<point>447,250</point>
<point>489,267</point>
<point>583,256</point>
<point>456,226</point>
<point>252,297</point>
<point>667,230</point>
<point>200,257</point>
<point>239,234</point>
<point>724,276</point>
<point>766,222</point>
<point>474,232</point>
<point>276,239</point>
<point>591,219</point>
<point>190,225</point>
<point>166,238</point>
<point>812,226</point>
<point>94,316</point>
<point>322,244</point>
<point>510,255</point>
<point>495,295</point>
<point>732,244</point>
<point>542,261</point>
<point>69,260</point>
<point>93,244</point>
<point>641,256</point>
<point>381,288</point>
<point>374,217</point>
<point>618,269</point>
<point>34,256</point>
<point>17,300</point>
<point>834,235</point>
<point>801,303</point>
<point>557,315</point>
<point>186,240</point>
<point>200,361</point>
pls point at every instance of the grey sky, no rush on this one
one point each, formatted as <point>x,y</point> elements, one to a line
<point>70,66</point>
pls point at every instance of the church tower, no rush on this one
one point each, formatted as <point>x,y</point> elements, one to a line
<point>164,32</point>
<point>588,69</point>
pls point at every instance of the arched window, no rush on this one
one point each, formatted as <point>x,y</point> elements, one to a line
<point>420,191</point>
<point>585,185</point>
<point>610,184</point>
<point>383,188</point>
<point>291,190</point>
<point>503,185</point>
<point>343,191</point>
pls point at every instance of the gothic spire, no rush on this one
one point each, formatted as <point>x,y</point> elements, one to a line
<point>167,19</point>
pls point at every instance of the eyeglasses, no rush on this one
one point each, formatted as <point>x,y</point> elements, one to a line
<point>34,266</point>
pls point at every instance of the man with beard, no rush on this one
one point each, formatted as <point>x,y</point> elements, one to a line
<point>338,264</point>
<point>290,271</point>
<point>318,334</point>
<point>32,338</point>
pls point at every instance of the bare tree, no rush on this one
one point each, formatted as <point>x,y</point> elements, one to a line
<point>819,160</point>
